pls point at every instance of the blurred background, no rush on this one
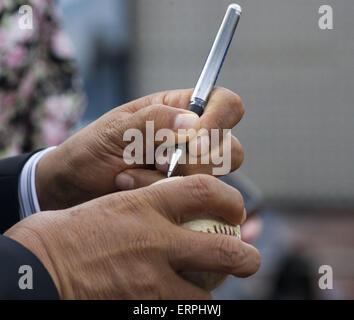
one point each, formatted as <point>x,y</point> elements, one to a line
<point>296,82</point>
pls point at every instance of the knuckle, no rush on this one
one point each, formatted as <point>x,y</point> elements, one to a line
<point>175,243</point>
<point>235,107</point>
<point>143,241</point>
<point>160,114</point>
<point>157,112</point>
<point>203,188</point>
<point>233,99</point>
<point>153,112</point>
<point>229,253</point>
<point>131,202</point>
<point>110,131</point>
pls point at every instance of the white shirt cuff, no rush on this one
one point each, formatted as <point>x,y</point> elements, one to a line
<point>27,185</point>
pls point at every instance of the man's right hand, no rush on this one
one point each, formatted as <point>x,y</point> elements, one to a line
<point>128,245</point>
<point>92,163</point>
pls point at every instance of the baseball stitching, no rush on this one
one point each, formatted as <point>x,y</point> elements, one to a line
<point>223,230</point>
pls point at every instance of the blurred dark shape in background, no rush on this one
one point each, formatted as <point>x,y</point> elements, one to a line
<point>294,278</point>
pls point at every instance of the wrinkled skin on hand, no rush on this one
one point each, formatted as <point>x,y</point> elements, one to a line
<point>129,245</point>
<point>90,164</point>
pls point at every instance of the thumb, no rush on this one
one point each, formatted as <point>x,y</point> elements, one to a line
<point>181,124</point>
<point>137,178</point>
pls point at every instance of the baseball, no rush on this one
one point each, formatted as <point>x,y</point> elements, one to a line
<point>210,224</point>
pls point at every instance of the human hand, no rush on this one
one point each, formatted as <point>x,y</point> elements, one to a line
<point>129,245</point>
<point>90,164</point>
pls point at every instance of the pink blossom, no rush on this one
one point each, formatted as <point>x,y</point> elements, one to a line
<point>14,34</point>
<point>15,58</point>
<point>40,5</point>
<point>59,107</point>
<point>53,132</point>
<point>27,86</point>
<point>8,101</point>
<point>62,46</point>
<point>3,39</point>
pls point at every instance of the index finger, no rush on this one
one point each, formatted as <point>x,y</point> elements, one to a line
<point>184,198</point>
<point>173,98</point>
<point>224,110</point>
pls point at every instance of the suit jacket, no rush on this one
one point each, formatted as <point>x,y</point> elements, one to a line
<point>20,269</point>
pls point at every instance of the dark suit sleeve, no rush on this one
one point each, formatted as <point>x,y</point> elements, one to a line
<point>37,281</point>
<point>10,171</point>
<point>12,254</point>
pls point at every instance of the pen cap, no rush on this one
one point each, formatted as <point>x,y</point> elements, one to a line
<point>217,54</point>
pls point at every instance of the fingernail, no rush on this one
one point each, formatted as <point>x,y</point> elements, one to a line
<point>124,181</point>
<point>185,121</point>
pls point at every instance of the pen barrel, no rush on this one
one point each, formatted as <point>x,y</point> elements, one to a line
<point>216,56</point>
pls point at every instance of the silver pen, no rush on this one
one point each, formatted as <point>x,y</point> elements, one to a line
<point>210,72</point>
